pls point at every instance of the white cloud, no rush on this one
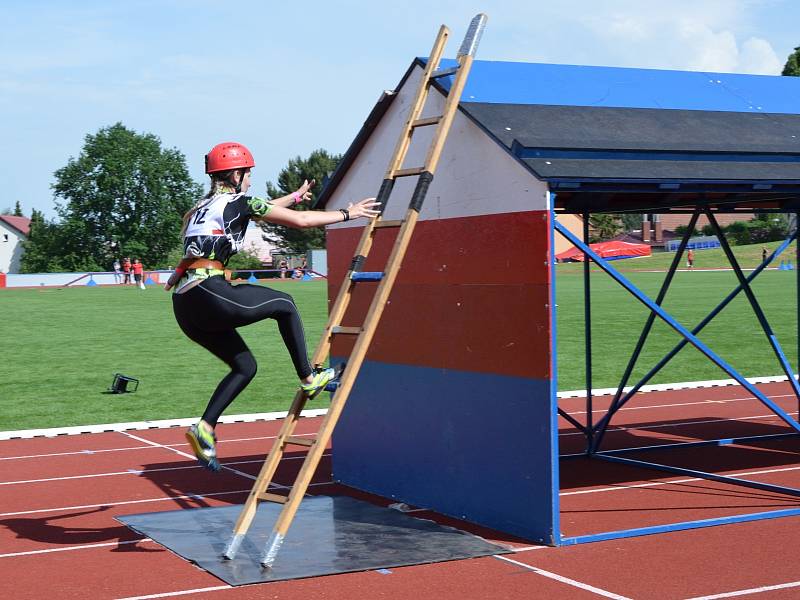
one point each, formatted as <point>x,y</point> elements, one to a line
<point>758,56</point>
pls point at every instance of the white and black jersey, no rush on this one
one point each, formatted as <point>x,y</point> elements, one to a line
<point>217,228</point>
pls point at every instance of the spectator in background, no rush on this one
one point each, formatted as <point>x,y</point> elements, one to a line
<point>764,254</point>
<point>117,271</point>
<point>138,272</point>
<point>303,264</point>
<point>284,268</point>
<point>126,270</point>
<point>690,259</point>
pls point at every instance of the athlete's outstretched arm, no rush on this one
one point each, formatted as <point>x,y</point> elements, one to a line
<point>301,195</point>
<point>319,218</point>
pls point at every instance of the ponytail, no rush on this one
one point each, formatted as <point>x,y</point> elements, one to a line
<point>217,181</point>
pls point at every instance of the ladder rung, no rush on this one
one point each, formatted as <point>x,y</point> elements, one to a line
<point>366,276</point>
<point>444,72</point>
<point>300,441</point>
<point>273,498</point>
<point>409,172</point>
<point>426,122</point>
<point>346,330</point>
<point>388,224</point>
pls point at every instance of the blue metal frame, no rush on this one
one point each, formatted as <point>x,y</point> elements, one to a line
<point>699,327</point>
<point>594,433</point>
<point>555,487</point>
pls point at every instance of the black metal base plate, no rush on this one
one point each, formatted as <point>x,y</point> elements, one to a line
<point>330,534</point>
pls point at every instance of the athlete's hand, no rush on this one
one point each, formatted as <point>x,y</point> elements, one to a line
<point>364,208</point>
<point>303,191</point>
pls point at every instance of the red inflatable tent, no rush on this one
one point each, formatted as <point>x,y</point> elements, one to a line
<point>613,250</point>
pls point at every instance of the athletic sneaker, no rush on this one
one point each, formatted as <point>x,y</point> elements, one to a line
<point>204,444</point>
<point>319,379</point>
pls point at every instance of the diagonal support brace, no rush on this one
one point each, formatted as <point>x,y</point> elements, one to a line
<point>667,318</point>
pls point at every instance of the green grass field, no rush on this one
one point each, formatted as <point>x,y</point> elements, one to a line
<point>62,347</point>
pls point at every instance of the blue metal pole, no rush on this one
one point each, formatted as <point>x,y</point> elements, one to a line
<point>573,421</point>
<point>751,297</point>
<point>587,318</point>
<point>767,487</point>
<point>662,293</point>
<point>660,365</point>
<point>710,354</point>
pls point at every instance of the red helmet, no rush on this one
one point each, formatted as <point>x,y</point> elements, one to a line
<point>227,156</point>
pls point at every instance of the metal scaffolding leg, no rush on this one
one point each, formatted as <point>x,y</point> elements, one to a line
<point>699,327</point>
<point>680,329</point>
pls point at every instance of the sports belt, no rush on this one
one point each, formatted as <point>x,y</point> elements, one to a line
<point>211,267</point>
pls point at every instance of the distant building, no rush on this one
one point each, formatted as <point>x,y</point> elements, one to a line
<point>13,231</point>
<point>255,243</point>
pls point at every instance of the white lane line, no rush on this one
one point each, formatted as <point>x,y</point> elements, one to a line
<point>681,424</point>
<point>142,472</point>
<point>528,548</point>
<point>123,502</point>
<point>145,425</point>
<point>68,548</point>
<point>190,456</point>
<point>670,387</point>
<point>181,593</point>
<point>679,404</point>
<point>758,590</point>
<point>317,412</point>
<point>146,500</point>
<point>674,481</point>
<point>50,454</point>
<point>147,447</point>
<point>562,579</point>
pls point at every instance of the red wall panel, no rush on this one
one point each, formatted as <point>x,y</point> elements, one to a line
<point>472,295</point>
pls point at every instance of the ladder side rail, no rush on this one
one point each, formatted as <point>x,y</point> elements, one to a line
<point>343,297</point>
<point>404,141</point>
<point>450,107</point>
<point>265,475</point>
<point>342,393</point>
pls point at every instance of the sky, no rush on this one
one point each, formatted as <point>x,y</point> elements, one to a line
<point>286,78</point>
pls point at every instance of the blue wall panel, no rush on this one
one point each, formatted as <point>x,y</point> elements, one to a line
<point>475,446</point>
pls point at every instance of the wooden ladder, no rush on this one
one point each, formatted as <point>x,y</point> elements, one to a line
<point>365,333</point>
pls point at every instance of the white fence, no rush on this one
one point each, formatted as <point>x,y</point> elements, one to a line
<point>75,279</point>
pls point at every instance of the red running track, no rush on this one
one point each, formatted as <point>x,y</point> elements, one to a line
<point>58,497</point>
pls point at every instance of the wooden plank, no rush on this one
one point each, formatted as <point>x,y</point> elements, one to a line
<point>426,122</point>
<point>300,441</point>
<point>274,498</point>
<point>409,172</point>
<point>346,330</point>
<point>380,224</point>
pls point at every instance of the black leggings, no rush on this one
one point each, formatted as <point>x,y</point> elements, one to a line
<point>209,314</point>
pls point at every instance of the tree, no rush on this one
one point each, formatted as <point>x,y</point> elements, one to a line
<point>630,221</point>
<point>42,249</point>
<point>317,166</point>
<point>792,66</point>
<point>124,195</point>
<point>604,226</point>
<point>17,212</point>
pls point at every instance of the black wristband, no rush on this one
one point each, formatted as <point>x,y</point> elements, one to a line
<point>345,213</point>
